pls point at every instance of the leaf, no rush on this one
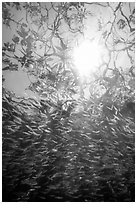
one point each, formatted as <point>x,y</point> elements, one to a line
<point>104,34</point>
<point>11,67</point>
<point>64,47</point>
<point>23,42</point>
<point>6,68</point>
<point>17,5</point>
<point>6,61</point>
<point>66,73</point>
<point>24,24</point>
<point>49,59</point>
<point>121,23</point>
<point>59,48</point>
<point>11,48</point>
<point>29,39</point>
<point>3,53</point>
<point>22,33</point>
<point>3,79</point>
<point>15,39</point>
<point>25,33</point>
<point>72,91</point>
<point>14,67</point>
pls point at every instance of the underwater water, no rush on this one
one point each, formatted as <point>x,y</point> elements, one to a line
<point>67,159</point>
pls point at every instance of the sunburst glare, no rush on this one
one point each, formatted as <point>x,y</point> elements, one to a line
<point>87,57</point>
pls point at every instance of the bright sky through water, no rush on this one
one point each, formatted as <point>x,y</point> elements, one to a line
<point>86,55</point>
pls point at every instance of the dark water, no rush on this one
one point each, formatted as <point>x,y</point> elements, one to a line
<point>71,159</point>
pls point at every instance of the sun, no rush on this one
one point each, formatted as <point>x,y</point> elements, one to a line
<point>87,57</point>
